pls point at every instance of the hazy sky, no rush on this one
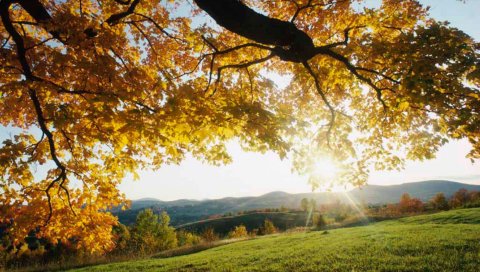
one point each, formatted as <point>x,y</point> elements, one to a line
<point>256,174</point>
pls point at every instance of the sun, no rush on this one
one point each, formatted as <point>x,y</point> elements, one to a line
<point>325,168</point>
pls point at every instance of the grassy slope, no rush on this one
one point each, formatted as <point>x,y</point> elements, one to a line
<point>448,241</point>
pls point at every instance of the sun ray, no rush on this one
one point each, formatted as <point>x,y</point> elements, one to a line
<point>355,205</point>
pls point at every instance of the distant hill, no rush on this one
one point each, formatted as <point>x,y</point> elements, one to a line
<point>184,211</point>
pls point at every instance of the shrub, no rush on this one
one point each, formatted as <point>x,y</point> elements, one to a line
<point>209,235</point>
<point>238,232</point>
<point>152,232</point>
<point>268,227</point>
<point>318,220</point>
<point>439,202</point>
<point>186,238</point>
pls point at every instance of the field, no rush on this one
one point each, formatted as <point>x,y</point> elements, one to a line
<point>447,241</point>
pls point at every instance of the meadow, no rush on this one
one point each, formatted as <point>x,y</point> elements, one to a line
<point>446,241</point>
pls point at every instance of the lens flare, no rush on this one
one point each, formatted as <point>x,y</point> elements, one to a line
<point>325,168</point>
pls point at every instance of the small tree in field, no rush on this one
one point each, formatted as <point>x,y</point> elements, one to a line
<point>304,204</point>
<point>209,235</point>
<point>186,238</point>
<point>153,233</point>
<point>460,198</point>
<point>238,232</point>
<point>312,205</point>
<point>408,204</point>
<point>439,202</point>
<point>474,199</point>
<point>318,221</point>
<point>268,227</point>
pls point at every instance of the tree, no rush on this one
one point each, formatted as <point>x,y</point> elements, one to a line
<point>209,235</point>
<point>439,202</point>
<point>313,205</point>
<point>308,205</point>
<point>304,204</point>
<point>404,203</point>
<point>268,227</point>
<point>408,204</point>
<point>474,197</point>
<point>318,220</point>
<point>153,233</point>
<point>238,232</point>
<point>459,198</point>
<point>122,238</point>
<point>186,238</point>
<point>96,89</point>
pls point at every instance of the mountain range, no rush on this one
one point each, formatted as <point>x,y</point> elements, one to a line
<point>184,211</point>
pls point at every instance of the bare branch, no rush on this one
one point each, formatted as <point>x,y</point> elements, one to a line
<point>160,28</point>
<point>325,100</point>
<point>239,66</point>
<point>53,153</point>
<point>354,71</point>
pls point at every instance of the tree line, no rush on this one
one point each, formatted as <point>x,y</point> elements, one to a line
<point>151,233</point>
<point>340,213</point>
<point>439,202</point>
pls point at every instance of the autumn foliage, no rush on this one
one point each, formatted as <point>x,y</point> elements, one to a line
<point>409,204</point>
<point>94,90</point>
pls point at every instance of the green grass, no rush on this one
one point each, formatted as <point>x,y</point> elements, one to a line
<point>447,241</point>
<point>464,216</point>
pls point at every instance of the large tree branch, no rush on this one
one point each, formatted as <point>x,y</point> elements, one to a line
<point>291,43</point>
<point>115,18</point>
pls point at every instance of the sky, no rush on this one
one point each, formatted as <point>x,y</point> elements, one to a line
<point>253,174</point>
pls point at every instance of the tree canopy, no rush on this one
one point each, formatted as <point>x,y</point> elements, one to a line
<point>98,89</point>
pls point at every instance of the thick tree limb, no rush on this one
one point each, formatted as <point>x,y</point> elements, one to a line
<point>115,18</point>
<point>291,43</point>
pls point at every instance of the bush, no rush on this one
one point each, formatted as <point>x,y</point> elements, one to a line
<point>209,235</point>
<point>318,221</point>
<point>439,202</point>
<point>186,238</point>
<point>153,233</point>
<point>268,227</point>
<point>238,232</point>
